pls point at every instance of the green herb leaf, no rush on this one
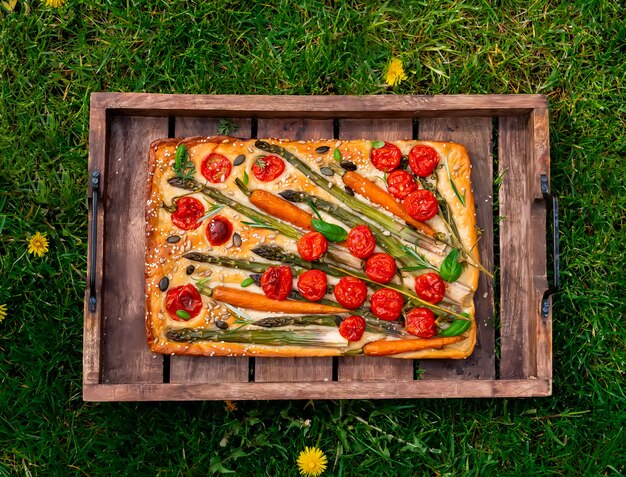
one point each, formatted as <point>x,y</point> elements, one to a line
<point>332,232</point>
<point>308,201</point>
<point>451,269</point>
<point>337,155</point>
<point>247,282</point>
<point>211,212</point>
<point>181,153</point>
<point>226,127</point>
<point>183,314</point>
<point>183,165</point>
<point>257,224</point>
<point>378,144</point>
<point>245,178</point>
<point>422,263</point>
<point>456,191</point>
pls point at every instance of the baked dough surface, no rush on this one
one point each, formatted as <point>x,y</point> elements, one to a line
<point>165,259</point>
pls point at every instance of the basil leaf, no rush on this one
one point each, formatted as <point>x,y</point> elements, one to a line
<point>451,269</point>
<point>337,155</point>
<point>378,144</point>
<point>247,282</point>
<point>245,178</point>
<point>332,232</point>
<point>183,314</point>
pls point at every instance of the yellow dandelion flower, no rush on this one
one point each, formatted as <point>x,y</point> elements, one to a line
<point>54,3</point>
<point>3,312</point>
<point>395,72</point>
<point>312,462</point>
<point>38,245</point>
<point>230,406</point>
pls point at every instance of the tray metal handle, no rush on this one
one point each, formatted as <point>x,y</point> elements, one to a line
<point>95,192</point>
<point>552,203</point>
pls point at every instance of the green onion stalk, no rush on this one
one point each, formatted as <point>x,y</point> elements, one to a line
<point>262,337</point>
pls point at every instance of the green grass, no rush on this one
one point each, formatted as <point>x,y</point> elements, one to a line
<point>52,59</point>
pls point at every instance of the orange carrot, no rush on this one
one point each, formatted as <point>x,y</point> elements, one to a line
<point>379,196</point>
<point>385,348</point>
<point>256,301</point>
<point>281,209</point>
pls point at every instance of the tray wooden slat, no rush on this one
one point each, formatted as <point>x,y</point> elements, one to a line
<point>476,135</point>
<point>126,355</point>
<point>365,368</point>
<point>196,369</point>
<point>294,369</point>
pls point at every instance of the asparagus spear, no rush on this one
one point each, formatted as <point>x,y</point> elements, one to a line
<point>227,262</point>
<point>353,203</point>
<point>331,339</point>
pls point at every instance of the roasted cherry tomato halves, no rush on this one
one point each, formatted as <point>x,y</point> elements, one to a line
<point>268,168</point>
<point>423,160</point>
<point>430,287</point>
<point>361,241</point>
<point>400,184</point>
<point>219,230</point>
<point>184,298</point>
<point>312,246</point>
<point>188,211</point>
<point>421,205</point>
<point>350,292</point>
<point>386,304</point>
<point>352,328</point>
<point>312,285</point>
<point>386,158</point>
<point>380,267</point>
<point>421,322</point>
<point>215,168</point>
<point>277,282</point>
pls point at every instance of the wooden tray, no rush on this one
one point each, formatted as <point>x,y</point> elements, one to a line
<point>507,137</point>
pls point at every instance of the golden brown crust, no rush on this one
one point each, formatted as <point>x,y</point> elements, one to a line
<point>162,259</point>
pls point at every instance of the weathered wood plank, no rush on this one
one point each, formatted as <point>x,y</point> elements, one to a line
<point>92,330</point>
<point>476,135</point>
<point>320,390</point>
<point>126,355</point>
<point>294,369</point>
<point>539,142</point>
<point>196,369</point>
<point>517,315</point>
<point>379,106</point>
<point>365,368</point>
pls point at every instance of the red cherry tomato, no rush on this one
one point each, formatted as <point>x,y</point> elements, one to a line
<point>423,160</point>
<point>430,287</point>
<point>312,285</point>
<point>312,246</point>
<point>215,168</point>
<point>219,230</point>
<point>268,168</point>
<point>361,241</point>
<point>400,184</point>
<point>386,304</point>
<point>185,298</point>
<point>276,282</point>
<point>352,328</point>
<point>421,322</point>
<point>350,292</point>
<point>386,158</point>
<point>380,267</point>
<point>421,205</point>
<point>188,211</point>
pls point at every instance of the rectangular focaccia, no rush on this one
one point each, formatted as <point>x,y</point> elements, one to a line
<point>228,272</point>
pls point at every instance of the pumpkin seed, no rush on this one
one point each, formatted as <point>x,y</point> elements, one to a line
<point>349,190</point>
<point>322,150</point>
<point>222,325</point>
<point>327,171</point>
<point>190,269</point>
<point>348,165</point>
<point>173,239</point>
<point>236,240</point>
<point>164,284</point>
<point>239,160</point>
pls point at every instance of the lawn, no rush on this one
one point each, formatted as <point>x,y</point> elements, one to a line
<point>52,59</point>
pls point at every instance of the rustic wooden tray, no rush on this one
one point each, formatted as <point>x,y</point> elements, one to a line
<point>507,137</point>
